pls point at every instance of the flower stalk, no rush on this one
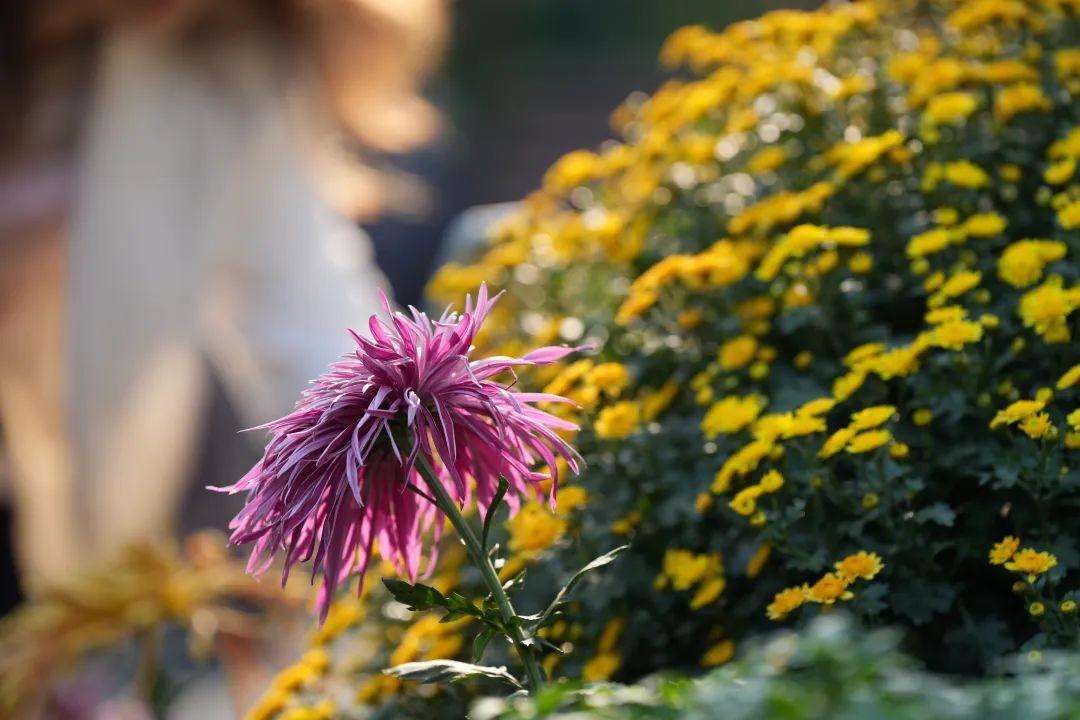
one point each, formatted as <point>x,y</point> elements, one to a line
<point>446,504</point>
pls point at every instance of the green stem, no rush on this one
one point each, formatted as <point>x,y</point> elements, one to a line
<point>480,558</point>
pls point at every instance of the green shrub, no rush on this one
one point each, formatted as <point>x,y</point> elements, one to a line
<point>833,277</point>
<point>831,670</point>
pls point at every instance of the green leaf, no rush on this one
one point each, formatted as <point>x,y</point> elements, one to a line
<point>493,508</point>
<point>420,597</point>
<point>560,598</point>
<point>416,597</point>
<point>434,671</point>
<point>938,512</point>
<point>541,642</point>
<point>480,643</point>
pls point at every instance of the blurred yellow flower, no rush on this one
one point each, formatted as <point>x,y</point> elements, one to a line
<point>861,565</point>
<point>618,421</point>
<point>534,528</point>
<point>871,417</point>
<point>787,601</point>
<point>718,654</point>
<point>868,441</point>
<point>731,414</point>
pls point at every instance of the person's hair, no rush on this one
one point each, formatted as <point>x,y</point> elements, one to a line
<point>366,62</point>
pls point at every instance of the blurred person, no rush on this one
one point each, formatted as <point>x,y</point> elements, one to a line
<point>176,183</point>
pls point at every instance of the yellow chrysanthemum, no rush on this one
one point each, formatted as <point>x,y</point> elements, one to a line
<point>828,589</point>
<point>601,667</point>
<point>571,498</point>
<point>868,441</point>
<point>757,561</point>
<point>836,442</point>
<point>984,225</point>
<point>771,481</point>
<point>1020,98</point>
<point>787,601</point>
<point>955,335</point>
<point>618,421</point>
<point>871,417</point>
<point>610,377</point>
<point>718,654</point>
<point>738,352</point>
<point>1069,378</point>
<point>965,174</point>
<point>821,406</point>
<point>1038,426</point>
<point>1016,412</point>
<point>745,501</point>
<point>1047,308</point>
<point>951,107</point>
<point>845,385</point>
<point>1022,263</point>
<point>707,593</point>
<point>861,565</point>
<point>534,528</point>
<point>685,568</point>
<point>1004,549</point>
<point>1031,563</point>
<point>731,414</point>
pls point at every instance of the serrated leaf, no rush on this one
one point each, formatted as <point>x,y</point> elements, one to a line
<point>456,602</point>
<point>480,643</point>
<point>421,597</point>
<point>435,671</point>
<point>416,597</point>
<point>489,516</point>
<point>560,597</point>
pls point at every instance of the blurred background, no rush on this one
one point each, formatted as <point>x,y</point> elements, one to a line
<point>196,197</point>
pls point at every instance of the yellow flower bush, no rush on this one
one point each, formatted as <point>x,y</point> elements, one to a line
<point>849,238</point>
<point>831,270</point>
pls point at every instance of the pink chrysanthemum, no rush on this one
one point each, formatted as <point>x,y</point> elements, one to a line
<point>339,472</point>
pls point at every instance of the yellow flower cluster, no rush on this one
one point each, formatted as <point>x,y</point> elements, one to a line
<point>683,570</point>
<point>607,660</point>
<point>1029,416</point>
<point>1022,263</point>
<point>839,204</point>
<point>731,414</point>
<point>535,528</point>
<point>829,588</point>
<point>1047,308</point>
<point>284,701</point>
<point>1028,562</point>
<point>862,434</point>
<point>746,500</point>
<point>804,238</point>
<point>591,385</point>
<point>723,263</point>
<point>198,587</point>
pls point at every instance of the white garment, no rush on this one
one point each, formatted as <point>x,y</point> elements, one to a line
<point>196,234</point>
